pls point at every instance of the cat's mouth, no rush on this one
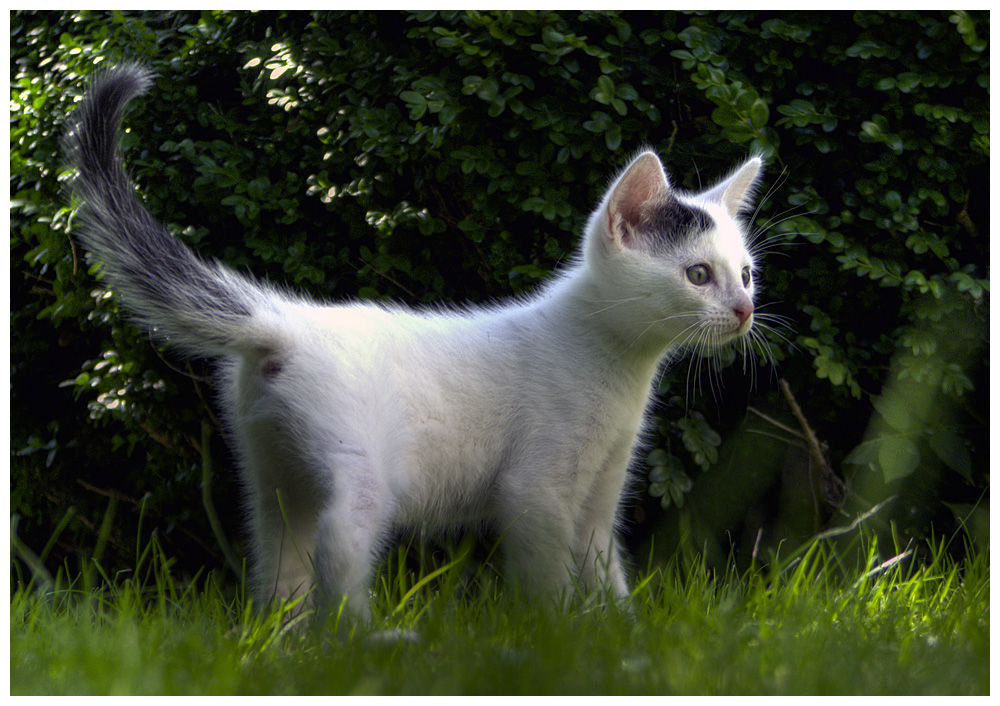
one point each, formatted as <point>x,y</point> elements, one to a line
<point>734,333</point>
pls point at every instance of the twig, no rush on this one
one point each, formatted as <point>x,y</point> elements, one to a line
<point>108,492</point>
<point>840,531</point>
<point>790,442</point>
<point>72,249</point>
<point>206,498</point>
<point>35,565</point>
<point>385,276</point>
<point>188,373</point>
<point>157,436</point>
<point>815,450</point>
<point>196,379</point>
<point>112,493</point>
<point>775,422</point>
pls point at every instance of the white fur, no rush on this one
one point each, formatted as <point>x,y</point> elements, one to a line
<point>523,417</point>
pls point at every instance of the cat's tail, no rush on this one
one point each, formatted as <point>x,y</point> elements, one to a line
<point>202,307</point>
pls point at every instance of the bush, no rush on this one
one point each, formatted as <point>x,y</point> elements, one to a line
<point>436,157</point>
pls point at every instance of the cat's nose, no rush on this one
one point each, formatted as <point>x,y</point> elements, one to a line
<point>743,312</point>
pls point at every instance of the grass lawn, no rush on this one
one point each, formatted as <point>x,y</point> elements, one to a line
<point>885,626</point>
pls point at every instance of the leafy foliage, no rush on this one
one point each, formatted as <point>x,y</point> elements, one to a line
<point>445,156</point>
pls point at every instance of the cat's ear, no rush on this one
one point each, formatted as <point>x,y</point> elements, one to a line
<point>643,185</point>
<point>736,192</point>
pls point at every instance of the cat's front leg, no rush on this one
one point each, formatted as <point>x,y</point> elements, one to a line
<point>559,537</point>
<point>548,553</point>
<point>537,546</point>
<point>597,547</point>
<point>599,561</point>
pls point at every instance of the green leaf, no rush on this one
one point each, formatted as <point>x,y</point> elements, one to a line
<point>658,457</point>
<point>258,188</point>
<point>953,452</point>
<point>865,453</point>
<point>700,440</point>
<point>613,138</point>
<point>832,370</point>
<point>759,113</point>
<point>898,457</point>
<point>893,411</point>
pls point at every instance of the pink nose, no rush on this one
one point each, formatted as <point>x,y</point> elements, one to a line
<point>743,312</point>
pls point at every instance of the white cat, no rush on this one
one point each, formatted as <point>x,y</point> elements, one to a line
<point>350,420</point>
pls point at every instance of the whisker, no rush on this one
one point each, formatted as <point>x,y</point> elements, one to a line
<point>615,303</point>
<point>671,343</point>
<point>773,189</point>
<point>773,222</point>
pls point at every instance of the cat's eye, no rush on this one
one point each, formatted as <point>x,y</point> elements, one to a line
<point>746,276</point>
<point>698,274</point>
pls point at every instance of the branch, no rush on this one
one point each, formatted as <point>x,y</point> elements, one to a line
<point>834,486</point>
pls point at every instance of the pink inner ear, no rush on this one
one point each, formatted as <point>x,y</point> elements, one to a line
<point>643,184</point>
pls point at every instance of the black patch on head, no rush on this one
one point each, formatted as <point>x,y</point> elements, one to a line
<point>671,222</point>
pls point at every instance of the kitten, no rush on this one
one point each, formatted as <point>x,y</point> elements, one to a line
<point>353,419</point>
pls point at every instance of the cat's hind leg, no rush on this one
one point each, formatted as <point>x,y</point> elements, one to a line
<point>282,534</point>
<point>351,530</point>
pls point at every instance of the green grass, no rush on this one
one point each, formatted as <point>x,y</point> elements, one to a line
<point>812,627</point>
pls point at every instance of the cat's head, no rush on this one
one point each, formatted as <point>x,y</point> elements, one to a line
<point>674,269</point>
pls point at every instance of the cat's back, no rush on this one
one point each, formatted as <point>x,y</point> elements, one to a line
<point>446,357</point>
<point>396,333</point>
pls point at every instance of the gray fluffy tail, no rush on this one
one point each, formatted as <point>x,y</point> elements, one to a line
<point>202,307</point>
